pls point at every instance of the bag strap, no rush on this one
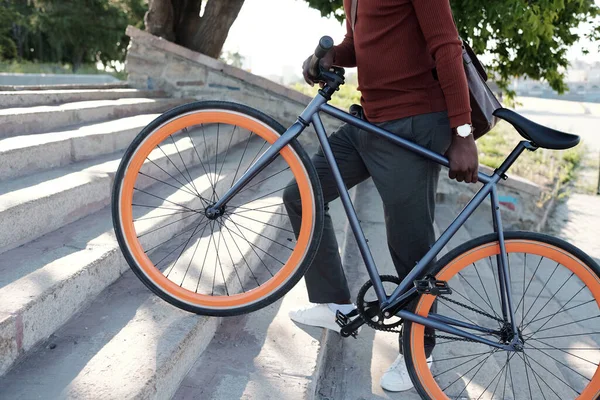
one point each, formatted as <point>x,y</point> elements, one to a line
<point>354,12</point>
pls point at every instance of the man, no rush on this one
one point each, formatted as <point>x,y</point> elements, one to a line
<point>413,84</point>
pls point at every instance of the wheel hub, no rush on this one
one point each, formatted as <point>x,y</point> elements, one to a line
<point>213,213</point>
<point>507,336</point>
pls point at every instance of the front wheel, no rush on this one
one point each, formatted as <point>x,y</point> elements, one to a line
<point>556,300</point>
<point>178,167</point>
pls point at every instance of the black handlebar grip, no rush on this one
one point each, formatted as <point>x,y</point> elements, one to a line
<point>325,44</point>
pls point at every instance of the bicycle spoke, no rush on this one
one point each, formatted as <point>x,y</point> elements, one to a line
<point>161,198</point>
<point>477,292</point>
<point>226,153</point>
<point>172,177</point>
<point>565,324</point>
<point>264,223</point>
<point>469,300</point>
<point>212,226</point>
<point>553,295</point>
<point>231,258</point>
<point>175,236</point>
<point>538,296</point>
<point>218,259</point>
<point>252,246</point>
<point>561,350</point>
<point>242,254</point>
<point>198,154</point>
<point>268,194</point>
<point>484,290</point>
<point>161,216</point>
<point>178,170</point>
<point>559,310</point>
<point>172,251</point>
<point>184,165</point>
<point>526,289</point>
<point>193,255</point>
<point>256,156</point>
<point>241,159</point>
<point>245,210</point>
<point>527,376</point>
<point>164,226</point>
<point>560,362</point>
<point>471,369</point>
<point>475,374</point>
<point>460,365</point>
<point>183,249</point>
<point>266,237</point>
<point>168,184</point>
<point>537,375</point>
<point>566,309</point>
<point>446,304</point>
<point>554,375</point>
<point>261,181</point>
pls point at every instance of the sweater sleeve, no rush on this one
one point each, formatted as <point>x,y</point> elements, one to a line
<point>437,24</point>
<point>344,52</point>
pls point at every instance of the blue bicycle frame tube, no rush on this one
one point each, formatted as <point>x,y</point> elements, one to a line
<point>406,287</point>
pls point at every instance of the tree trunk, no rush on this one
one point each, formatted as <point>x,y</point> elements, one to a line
<point>187,20</point>
<point>210,31</point>
<point>159,19</point>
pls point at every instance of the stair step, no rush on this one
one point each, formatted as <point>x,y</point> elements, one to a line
<point>127,344</point>
<point>24,155</point>
<point>74,86</point>
<point>30,98</point>
<point>43,283</point>
<point>39,119</point>
<point>38,204</point>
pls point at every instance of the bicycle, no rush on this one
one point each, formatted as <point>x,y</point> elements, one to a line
<point>543,344</point>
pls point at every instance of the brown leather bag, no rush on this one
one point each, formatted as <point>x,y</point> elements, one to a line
<point>483,101</point>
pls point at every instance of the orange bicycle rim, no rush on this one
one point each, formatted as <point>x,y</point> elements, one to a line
<point>146,265</point>
<point>417,343</point>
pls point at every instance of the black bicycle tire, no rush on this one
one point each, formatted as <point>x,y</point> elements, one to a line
<point>312,176</point>
<point>465,247</point>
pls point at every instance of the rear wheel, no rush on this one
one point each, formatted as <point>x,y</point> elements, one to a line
<point>177,168</point>
<point>556,296</point>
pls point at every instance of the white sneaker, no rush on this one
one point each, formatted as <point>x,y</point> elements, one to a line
<point>396,378</point>
<point>319,315</point>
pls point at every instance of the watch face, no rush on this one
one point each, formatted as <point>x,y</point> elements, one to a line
<point>464,130</point>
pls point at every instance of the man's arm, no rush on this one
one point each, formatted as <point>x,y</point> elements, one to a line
<point>435,19</point>
<point>344,55</point>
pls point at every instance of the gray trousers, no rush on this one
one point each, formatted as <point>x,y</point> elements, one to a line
<point>406,182</point>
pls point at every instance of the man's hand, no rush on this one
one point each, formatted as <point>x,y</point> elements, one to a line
<point>326,63</point>
<point>464,160</point>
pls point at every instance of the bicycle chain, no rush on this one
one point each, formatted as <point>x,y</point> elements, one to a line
<point>393,329</point>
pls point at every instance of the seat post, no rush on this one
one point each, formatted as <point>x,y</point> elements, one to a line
<point>514,155</point>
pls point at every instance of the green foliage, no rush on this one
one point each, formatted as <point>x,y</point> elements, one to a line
<point>548,168</point>
<point>525,38</point>
<point>73,33</point>
<point>344,98</point>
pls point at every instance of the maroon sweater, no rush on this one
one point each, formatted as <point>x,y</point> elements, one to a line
<point>395,45</point>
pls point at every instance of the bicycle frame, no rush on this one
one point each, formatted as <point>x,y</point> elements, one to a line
<point>406,288</point>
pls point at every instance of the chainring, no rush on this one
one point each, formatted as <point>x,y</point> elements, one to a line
<point>365,308</point>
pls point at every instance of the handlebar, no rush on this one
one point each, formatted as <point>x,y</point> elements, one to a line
<point>325,45</point>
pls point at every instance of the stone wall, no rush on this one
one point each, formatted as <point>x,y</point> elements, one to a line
<point>524,204</point>
<point>155,63</point>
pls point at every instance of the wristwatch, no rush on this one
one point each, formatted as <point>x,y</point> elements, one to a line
<point>464,130</point>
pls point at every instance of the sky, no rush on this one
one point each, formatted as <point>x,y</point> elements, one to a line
<point>276,36</point>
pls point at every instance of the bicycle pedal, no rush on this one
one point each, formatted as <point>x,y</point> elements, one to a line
<point>343,320</point>
<point>432,286</point>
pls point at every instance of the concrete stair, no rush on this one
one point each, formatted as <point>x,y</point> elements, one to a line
<point>75,322</point>
<point>58,249</point>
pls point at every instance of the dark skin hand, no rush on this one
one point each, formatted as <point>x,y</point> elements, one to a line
<point>464,160</point>
<point>326,63</point>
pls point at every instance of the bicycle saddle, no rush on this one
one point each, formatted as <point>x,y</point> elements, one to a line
<point>540,135</point>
